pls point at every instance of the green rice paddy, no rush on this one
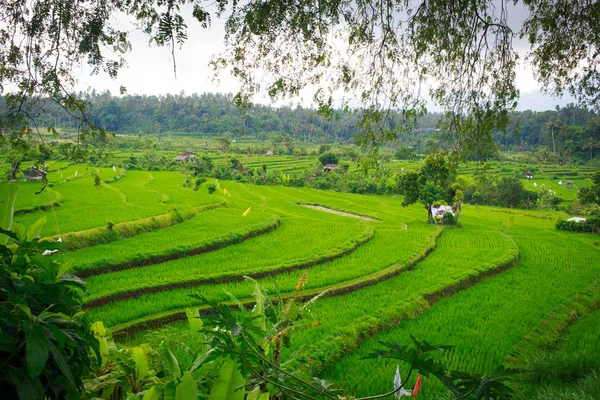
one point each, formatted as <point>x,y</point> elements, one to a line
<point>481,287</point>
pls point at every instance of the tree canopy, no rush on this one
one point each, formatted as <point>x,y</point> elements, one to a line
<point>389,54</point>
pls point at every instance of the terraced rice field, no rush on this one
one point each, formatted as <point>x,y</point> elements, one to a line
<point>482,287</point>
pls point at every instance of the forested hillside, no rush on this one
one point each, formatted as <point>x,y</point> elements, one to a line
<point>565,132</point>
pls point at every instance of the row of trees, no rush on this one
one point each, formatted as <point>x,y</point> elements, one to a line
<point>565,133</point>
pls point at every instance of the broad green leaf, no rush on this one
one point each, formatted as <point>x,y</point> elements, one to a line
<point>138,355</point>
<point>64,268</point>
<point>259,307</point>
<point>62,363</point>
<point>195,323</point>
<point>8,195</point>
<point>100,334</point>
<point>152,394</point>
<point>229,385</point>
<point>255,394</point>
<point>37,348</point>
<point>170,362</point>
<point>187,389</point>
<point>20,231</point>
<point>27,387</point>
<point>170,391</point>
<point>35,229</point>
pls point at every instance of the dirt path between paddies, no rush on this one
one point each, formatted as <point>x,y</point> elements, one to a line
<point>337,212</point>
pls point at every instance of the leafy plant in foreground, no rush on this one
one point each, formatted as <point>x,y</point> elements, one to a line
<point>253,338</point>
<point>44,339</point>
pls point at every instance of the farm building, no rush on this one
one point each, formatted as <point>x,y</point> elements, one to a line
<point>329,167</point>
<point>185,156</point>
<point>34,174</point>
<point>269,153</point>
<point>439,210</point>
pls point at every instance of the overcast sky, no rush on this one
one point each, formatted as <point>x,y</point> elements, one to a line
<point>150,70</point>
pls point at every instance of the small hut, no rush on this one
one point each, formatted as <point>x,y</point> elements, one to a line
<point>329,167</point>
<point>35,174</point>
<point>269,153</point>
<point>185,156</point>
<point>439,210</point>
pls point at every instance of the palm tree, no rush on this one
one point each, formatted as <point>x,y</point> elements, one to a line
<point>590,145</point>
<point>551,125</point>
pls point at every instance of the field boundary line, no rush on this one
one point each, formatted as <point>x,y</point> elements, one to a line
<point>219,242</point>
<point>160,319</point>
<point>548,331</point>
<point>355,243</point>
<point>323,356</point>
<point>42,207</point>
<point>106,234</point>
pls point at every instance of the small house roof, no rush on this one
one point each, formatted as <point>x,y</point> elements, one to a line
<point>185,155</point>
<point>330,166</point>
<point>34,169</point>
<point>269,153</point>
<point>577,219</point>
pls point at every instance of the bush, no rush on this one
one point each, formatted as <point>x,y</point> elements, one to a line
<point>591,225</point>
<point>328,158</point>
<point>43,335</point>
<point>199,182</point>
<point>211,188</point>
<point>449,219</point>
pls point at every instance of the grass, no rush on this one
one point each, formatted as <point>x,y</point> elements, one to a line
<point>85,207</point>
<point>486,321</point>
<point>207,227</point>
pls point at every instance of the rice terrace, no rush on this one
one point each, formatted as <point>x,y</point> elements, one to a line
<point>504,287</point>
<point>300,200</point>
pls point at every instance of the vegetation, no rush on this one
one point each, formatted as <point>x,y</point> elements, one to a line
<point>44,336</point>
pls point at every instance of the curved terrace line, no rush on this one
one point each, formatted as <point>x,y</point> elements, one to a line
<point>221,242</point>
<point>431,299</point>
<point>160,319</point>
<point>145,225</point>
<point>226,278</point>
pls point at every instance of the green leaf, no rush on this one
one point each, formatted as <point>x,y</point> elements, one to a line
<point>195,323</point>
<point>258,312</point>
<point>62,363</point>
<point>170,391</point>
<point>229,383</point>
<point>64,268</point>
<point>37,348</point>
<point>170,362</point>
<point>187,389</point>
<point>152,394</point>
<point>35,229</point>
<point>27,387</point>
<point>138,355</point>
<point>255,394</point>
<point>100,333</point>
<point>8,195</point>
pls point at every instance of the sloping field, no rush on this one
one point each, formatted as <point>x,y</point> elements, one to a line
<point>145,243</point>
<point>137,195</point>
<point>486,321</point>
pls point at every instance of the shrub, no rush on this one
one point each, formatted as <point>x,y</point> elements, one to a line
<point>591,225</point>
<point>211,187</point>
<point>328,158</point>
